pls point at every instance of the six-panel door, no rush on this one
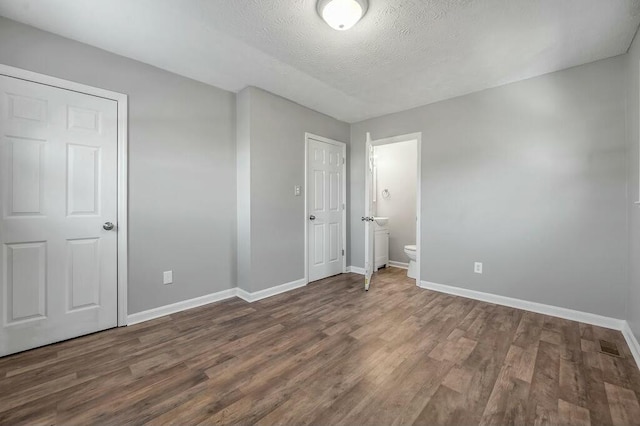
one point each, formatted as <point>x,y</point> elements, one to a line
<point>58,183</point>
<point>325,203</point>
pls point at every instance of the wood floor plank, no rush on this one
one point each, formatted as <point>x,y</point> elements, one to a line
<point>544,417</point>
<point>623,404</point>
<point>597,402</point>
<point>446,407</point>
<point>529,330</point>
<point>572,379</point>
<point>572,415</point>
<point>330,353</point>
<point>545,381</point>
<point>508,400</point>
<point>458,379</point>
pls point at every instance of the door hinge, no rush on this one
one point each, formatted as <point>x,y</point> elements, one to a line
<point>342,160</point>
<point>343,252</point>
<point>343,207</point>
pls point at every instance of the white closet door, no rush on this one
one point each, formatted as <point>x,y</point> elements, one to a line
<point>325,204</point>
<point>58,183</point>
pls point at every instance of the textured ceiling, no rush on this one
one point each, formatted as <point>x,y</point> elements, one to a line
<point>404,53</point>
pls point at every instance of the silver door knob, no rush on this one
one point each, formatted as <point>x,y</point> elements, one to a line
<point>108,226</point>
<point>312,217</point>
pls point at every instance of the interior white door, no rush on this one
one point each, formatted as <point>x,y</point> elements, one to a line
<point>369,260</point>
<point>58,179</point>
<point>325,207</point>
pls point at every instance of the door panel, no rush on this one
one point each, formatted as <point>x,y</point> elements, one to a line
<point>318,190</point>
<point>83,119</point>
<point>83,163</point>
<point>25,285</point>
<point>335,187</point>
<point>83,278</point>
<point>25,166</point>
<point>326,203</point>
<point>318,246</point>
<point>58,185</point>
<point>27,108</point>
<point>334,242</point>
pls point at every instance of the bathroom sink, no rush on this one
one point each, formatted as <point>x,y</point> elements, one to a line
<point>382,221</point>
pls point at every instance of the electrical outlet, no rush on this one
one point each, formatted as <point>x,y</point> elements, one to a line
<point>477,267</point>
<point>297,190</point>
<point>167,277</point>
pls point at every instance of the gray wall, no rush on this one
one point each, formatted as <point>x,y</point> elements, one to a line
<point>528,178</point>
<point>277,127</point>
<point>181,164</point>
<point>633,111</point>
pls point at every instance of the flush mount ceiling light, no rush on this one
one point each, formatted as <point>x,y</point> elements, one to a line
<point>342,14</point>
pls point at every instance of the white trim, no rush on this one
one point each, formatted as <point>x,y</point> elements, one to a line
<point>401,265</point>
<point>355,270</point>
<point>48,80</point>
<point>405,138</point>
<point>541,308</point>
<point>308,136</point>
<point>122,105</point>
<point>272,291</point>
<point>632,342</point>
<point>211,298</point>
<point>180,306</point>
<point>123,209</point>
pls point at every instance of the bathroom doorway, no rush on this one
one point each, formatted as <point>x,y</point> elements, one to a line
<point>392,205</point>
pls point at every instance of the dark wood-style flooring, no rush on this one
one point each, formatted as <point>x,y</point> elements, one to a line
<point>327,354</point>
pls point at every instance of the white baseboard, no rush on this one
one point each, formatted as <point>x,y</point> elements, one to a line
<point>632,342</point>
<point>355,270</point>
<point>400,265</point>
<point>263,294</point>
<point>180,306</point>
<point>210,298</point>
<point>541,308</point>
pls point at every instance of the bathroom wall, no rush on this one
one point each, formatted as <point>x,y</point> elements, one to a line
<point>397,171</point>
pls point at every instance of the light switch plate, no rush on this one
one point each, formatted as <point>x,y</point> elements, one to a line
<point>297,190</point>
<point>167,277</point>
<point>477,267</point>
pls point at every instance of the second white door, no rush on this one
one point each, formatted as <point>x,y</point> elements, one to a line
<point>325,207</point>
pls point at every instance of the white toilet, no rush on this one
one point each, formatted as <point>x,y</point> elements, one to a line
<point>410,250</point>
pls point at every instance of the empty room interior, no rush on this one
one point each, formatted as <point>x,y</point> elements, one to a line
<point>349,212</point>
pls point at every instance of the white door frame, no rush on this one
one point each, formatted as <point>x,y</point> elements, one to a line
<point>122,106</point>
<point>405,138</point>
<point>308,136</point>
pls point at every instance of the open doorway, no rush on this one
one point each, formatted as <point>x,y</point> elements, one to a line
<point>392,205</point>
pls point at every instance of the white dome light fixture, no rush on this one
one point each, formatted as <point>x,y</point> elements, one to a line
<point>342,14</point>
